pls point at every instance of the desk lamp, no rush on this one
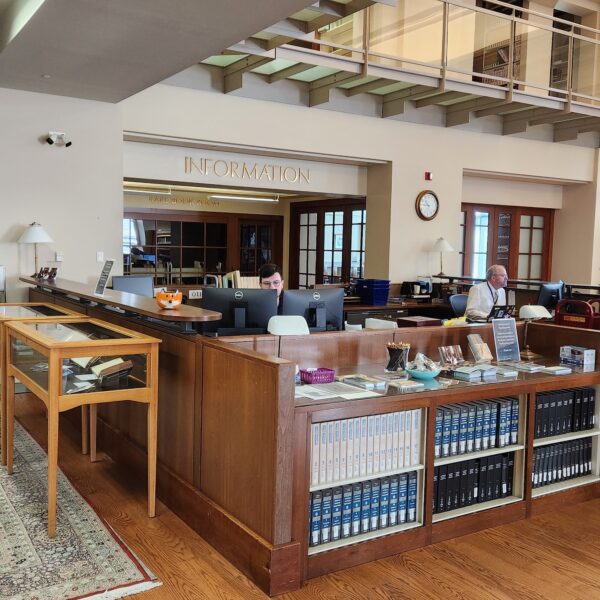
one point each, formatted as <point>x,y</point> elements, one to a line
<point>35,234</point>
<point>441,245</point>
<point>531,312</point>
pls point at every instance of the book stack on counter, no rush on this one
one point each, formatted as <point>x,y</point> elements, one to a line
<point>523,365</point>
<point>474,372</point>
<point>559,462</point>
<point>364,446</point>
<point>475,426</point>
<point>563,411</point>
<point>353,509</point>
<point>472,481</point>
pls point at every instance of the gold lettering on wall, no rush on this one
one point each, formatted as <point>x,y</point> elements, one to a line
<point>193,202</point>
<point>232,169</point>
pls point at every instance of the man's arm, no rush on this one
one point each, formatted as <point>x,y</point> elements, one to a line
<point>475,305</point>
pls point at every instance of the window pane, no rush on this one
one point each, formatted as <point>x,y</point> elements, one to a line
<point>523,269</point>
<point>524,240</point>
<point>328,237</point>
<point>536,267</point>
<point>303,219</point>
<point>148,234</point>
<point>163,232</point>
<point>216,234</point>
<point>538,222</point>
<point>537,240</point>
<point>303,237</point>
<point>356,216</point>
<point>311,280</point>
<point>312,238</point>
<point>327,263</point>
<point>356,231</point>
<point>302,260</point>
<point>355,266</point>
<point>329,218</point>
<point>312,261</point>
<point>337,264</point>
<point>302,280</point>
<point>312,218</point>
<point>463,216</point>
<point>525,221</point>
<point>339,217</point>
<point>192,234</point>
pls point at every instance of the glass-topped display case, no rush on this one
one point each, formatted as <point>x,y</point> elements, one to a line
<point>78,363</point>
<point>25,311</point>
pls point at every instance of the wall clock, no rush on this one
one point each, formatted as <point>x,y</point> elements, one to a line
<point>427,205</point>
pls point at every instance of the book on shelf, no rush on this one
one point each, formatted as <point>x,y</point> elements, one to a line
<point>363,381</point>
<point>564,411</point>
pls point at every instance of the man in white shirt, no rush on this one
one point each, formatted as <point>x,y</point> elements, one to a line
<point>484,296</point>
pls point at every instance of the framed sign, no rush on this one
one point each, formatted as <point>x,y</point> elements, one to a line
<point>103,279</point>
<point>505,338</point>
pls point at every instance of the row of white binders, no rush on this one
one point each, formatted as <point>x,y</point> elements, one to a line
<point>343,512</point>
<point>476,426</point>
<point>363,446</point>
<point>559,462</point>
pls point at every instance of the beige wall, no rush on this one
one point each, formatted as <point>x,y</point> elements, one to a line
<point>410,149</point>
<point>75,193</point>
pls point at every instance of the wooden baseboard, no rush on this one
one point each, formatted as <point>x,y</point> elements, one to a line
<point>563,498</point>
<point>274,569</point>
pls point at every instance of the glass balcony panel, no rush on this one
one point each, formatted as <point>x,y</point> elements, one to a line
<point>559,63</point>
<point>410,31</point>
<point>535,57</point>
<point>585,56</point>
<point>344,32</point>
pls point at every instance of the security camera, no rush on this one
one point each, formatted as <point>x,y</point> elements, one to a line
<point>51,139</point>
<point>59,138</point>
<point>68,142</point>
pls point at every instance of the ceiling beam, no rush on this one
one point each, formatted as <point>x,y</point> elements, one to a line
<point>291,28</point>
<point>438,98</point>
<point>557,117</point>
<point>318,90</point>
<point>499,109</point>
<point>460,113</point>
<point>364,88</point>
<point>569,130</point>
<point>393,103</point>
<point>288,72</point>
<point>232,74</point>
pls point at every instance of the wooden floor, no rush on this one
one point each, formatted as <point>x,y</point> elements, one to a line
<point>553,556</point>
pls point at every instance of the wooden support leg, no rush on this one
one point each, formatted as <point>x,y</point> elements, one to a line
<point>84,429</point>
<point>152,432</point>
<point>8,423</point>
<point>52,468</point>
<point>93,429</point>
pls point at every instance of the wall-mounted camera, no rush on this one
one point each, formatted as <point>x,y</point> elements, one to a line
<point>58,138</point>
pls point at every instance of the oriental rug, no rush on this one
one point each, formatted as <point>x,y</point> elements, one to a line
<point>86,559</point>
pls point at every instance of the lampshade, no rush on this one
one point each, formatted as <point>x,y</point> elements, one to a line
<point>534,311</point>
<point>35,234</point>
<point>442,245</point>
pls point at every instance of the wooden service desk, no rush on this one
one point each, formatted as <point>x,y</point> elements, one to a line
<point>26,311</point>
<point>68,364</point>
<point>357,313</point>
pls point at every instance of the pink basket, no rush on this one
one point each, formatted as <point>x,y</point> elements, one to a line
<point>319,375</point>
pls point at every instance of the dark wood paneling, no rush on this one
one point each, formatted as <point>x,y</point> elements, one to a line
<point>561,499</point>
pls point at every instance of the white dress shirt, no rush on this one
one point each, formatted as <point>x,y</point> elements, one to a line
<point>482,298</point>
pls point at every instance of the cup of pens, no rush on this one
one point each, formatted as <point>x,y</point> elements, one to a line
<point>398,353</point>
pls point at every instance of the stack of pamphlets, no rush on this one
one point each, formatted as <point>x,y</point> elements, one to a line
<point>558,370</point>
<point>474,372</point>
<point>526,366</point>
<point>363,381</point>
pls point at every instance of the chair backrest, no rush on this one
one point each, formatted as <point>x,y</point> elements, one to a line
<point>352,326</point>
<point>288,325</point>
<point>380,324</point>
<point>458,302</point>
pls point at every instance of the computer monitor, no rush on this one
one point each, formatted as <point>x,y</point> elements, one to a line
<point>142,285</point>
<point>550,294</point>
<point>323,309</point>
<point>244,311</point>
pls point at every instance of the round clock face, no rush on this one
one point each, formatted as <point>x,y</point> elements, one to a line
<point>427,205</point>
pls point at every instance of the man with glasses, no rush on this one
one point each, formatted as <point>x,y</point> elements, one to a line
<point>271,279</point>
<point>484,296</point>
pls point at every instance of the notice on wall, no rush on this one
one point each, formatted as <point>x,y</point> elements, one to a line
<point>506,340</point>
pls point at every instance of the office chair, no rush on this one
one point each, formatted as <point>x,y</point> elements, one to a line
<point>458,302</point>
<point>380,324</point>
<point>288,325</point>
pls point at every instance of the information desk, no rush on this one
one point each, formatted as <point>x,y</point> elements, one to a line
<point>132,304</point>
<point>357,313</point>
<point>76,363</point>
<point>28,311</point>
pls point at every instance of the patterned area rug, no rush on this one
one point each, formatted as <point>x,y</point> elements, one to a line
<point>86,559</point>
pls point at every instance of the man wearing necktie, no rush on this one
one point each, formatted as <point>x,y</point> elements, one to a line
<point>484,296</point>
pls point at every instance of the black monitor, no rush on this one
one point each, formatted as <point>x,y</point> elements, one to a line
<point>550,294</point>
<point>244,311</point>
<point>143,285</point>
<point>323,309</point>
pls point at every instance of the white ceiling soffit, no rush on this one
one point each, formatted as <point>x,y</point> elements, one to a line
<point>522,177</point>
<point>109,50</point>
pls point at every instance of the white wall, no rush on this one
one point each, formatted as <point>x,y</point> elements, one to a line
<point>411,149</point>
<point>75,193</point>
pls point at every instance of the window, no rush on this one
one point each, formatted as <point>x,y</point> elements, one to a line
<point>327,242</point>
<point>517,238</point>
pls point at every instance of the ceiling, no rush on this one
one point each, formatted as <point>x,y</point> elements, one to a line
<point>109,50</point>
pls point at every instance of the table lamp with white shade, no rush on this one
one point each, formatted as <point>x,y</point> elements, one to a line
<point>441,245</point>
<point>531,312</point>
<point>35,234</point>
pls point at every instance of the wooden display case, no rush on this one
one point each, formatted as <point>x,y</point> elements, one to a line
<point>28,311</point>
<point>81,362</point>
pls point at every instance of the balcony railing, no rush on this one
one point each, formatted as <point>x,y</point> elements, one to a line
<point>526,50</point>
